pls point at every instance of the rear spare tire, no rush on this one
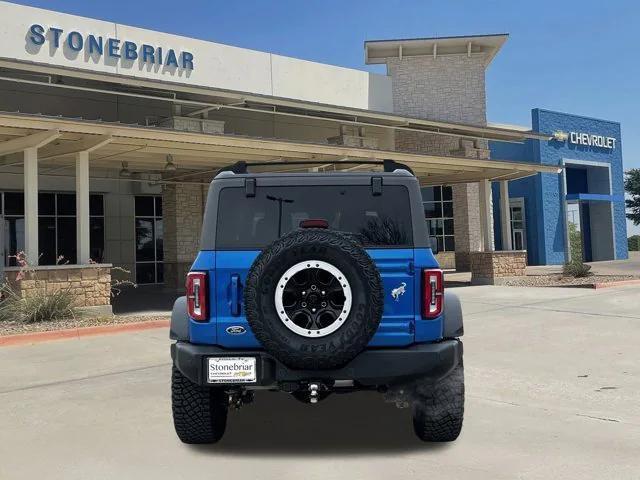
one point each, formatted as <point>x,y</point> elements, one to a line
<point>314,299</point>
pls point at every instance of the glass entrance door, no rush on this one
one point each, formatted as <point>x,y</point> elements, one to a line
<point>518,226</point>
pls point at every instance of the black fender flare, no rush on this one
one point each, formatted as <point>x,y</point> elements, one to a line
<point>179,328</point>
<point>453,325</point>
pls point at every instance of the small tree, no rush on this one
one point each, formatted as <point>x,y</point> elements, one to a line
<point>632,186</point>
<point>576,266</point>
<point>634,243</point>
<point>575,243</point>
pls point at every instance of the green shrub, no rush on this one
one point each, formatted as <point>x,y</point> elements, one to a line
<point>39,306</point>
<point>576,269</point>
<point>634,243</point>
<point>575,242</point>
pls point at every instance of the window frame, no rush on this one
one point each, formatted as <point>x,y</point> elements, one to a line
<point>440,238</point>
<point>55,216</point>
<point>154,219</point>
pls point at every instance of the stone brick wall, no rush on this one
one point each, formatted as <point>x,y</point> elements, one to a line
<point>183,208</point>
<point>446,260</point>
<point>447,88</point>
<point>490,268</point>
<point>466,223</point>
<point>89,284</point>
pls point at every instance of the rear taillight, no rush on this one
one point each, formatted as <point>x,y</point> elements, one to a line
<point>197,295</point>
<point>432,293</point>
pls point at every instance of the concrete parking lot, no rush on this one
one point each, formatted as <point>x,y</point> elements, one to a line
<point>553,391</point>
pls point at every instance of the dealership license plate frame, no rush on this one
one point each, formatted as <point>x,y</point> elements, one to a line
<point>221,378</point>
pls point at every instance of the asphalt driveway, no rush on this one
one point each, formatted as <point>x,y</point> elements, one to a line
<point>553,383</point>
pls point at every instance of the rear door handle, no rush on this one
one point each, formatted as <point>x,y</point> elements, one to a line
<point>235,295</point>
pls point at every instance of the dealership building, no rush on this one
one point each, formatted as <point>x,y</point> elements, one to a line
<point>110,134</point>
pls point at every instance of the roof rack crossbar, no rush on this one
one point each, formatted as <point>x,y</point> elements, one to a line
<point>243,167</point>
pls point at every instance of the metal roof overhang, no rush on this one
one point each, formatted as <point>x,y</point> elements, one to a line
<point>145,148</point>
<point>200,99</point>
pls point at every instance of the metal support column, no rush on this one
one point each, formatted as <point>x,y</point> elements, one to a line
<point>82,207</point>
<point>505,215</point>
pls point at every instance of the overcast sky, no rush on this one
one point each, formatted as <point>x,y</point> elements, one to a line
<point>573,56</point>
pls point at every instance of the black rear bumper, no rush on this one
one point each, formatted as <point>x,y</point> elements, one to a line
<point>381,366</point>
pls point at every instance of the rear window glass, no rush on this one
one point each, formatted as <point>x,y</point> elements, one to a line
<point>254,222</point>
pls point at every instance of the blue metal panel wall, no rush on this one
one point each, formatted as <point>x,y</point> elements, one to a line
<point>553,152</point>
<point>543,193</point>
<point>524,188</point>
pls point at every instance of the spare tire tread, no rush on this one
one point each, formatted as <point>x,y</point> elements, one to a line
<point>342,351</point>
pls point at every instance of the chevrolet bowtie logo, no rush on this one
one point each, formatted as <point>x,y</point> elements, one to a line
<point>560,136</point>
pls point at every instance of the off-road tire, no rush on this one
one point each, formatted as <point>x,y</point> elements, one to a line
<point>337,348</point>
<point>438,407</point>
<point>199,413</point>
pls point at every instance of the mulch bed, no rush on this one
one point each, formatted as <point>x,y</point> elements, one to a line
<point>555,280</point>
<point>14,328</point>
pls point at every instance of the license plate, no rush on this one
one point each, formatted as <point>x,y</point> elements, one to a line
<point>232,370</point>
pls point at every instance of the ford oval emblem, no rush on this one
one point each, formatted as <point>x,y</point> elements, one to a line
<point>236,330</point>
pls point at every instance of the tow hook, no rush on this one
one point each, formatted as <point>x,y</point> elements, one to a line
<point>314,389</point>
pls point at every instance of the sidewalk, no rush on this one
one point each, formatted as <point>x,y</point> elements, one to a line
<point>631,266</point>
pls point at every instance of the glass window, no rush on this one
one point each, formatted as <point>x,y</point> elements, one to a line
<point>431,194</point>
<point>449,244</point>
<point>159,272</point>
<point>144,206</point>
<point>96,205</point>
<point>447,209</point>
<point>149,239</point>
<point>432,209</point>
<point>438,210</point>
<point>254,222</point>
<point>159,231</point>
<point>96,239</point>
<point>145,250</point>
<point>158,205</point>
<point>13,203</point>
<point>47,240</point>
<point>46,204</point>
<point>448,227</point>
<point>66,203</point>
<point>436,227</point>
<point>56,226</point>
<point>66,235</point>
<point>13,238</point>
<point>145,273</point>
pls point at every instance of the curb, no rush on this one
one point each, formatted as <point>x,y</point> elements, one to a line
<point>619,283</point>
<point>39,337</point>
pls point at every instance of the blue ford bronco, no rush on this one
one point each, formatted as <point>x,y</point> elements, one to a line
<point>313,284</point>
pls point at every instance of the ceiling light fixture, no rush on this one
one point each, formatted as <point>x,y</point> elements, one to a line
<point>124,171</point>
<point>170,166</point>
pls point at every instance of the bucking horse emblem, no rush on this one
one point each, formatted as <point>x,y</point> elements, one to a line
<point>396,293</point>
